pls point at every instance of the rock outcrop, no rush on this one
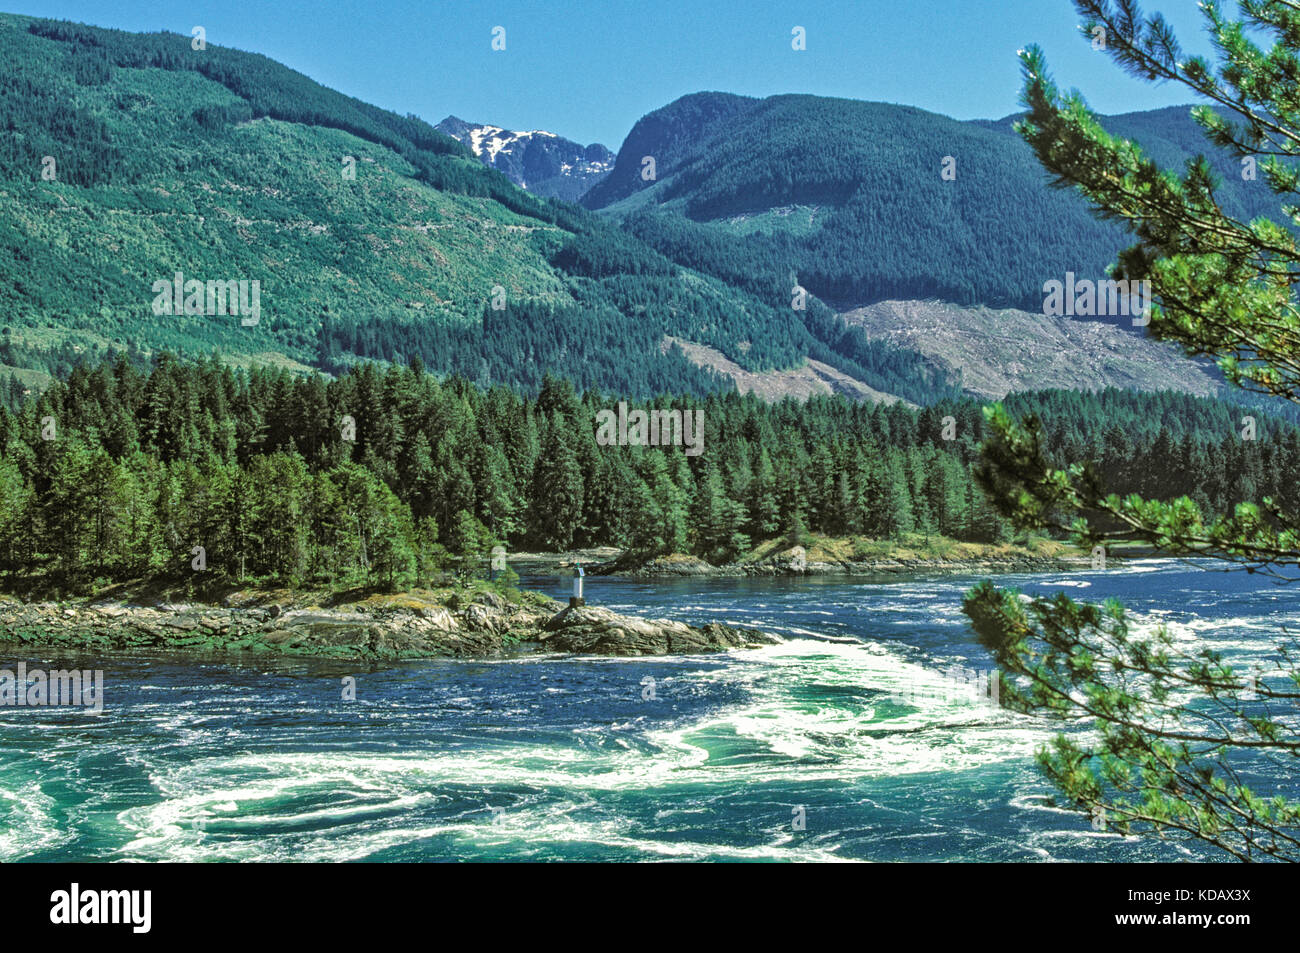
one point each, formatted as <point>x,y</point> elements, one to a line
<point>594,631</point>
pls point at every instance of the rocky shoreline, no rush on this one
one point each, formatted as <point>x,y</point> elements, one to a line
<point>474,625</point>
<point>795,562</point>
<point>487,627</point>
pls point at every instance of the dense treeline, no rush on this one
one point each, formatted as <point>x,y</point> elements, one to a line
<point>1167,445</point>
<point>388,474</point>
<point>594,346</point>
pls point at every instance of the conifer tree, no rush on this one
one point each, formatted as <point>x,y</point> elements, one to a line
<point>1176,728</point>
<point>557,491</point>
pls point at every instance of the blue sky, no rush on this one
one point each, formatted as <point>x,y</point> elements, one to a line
<point>588,69</point>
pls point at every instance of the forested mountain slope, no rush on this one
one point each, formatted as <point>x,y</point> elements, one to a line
<point>853,197</point>
<point>129,158</point>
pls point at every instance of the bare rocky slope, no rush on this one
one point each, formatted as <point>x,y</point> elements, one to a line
<point>999,351</point>
<point>812,378</point>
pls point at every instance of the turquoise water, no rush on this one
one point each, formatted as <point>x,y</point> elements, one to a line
<point>566,758</point>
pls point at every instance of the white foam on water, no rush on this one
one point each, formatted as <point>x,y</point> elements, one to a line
<point>849,734</point>
<point>1038,802</point>
<point>1256,635</point>
<point>1143,566</point>
<point>196,824</point>
<point>811,713</point>
<point>27,822</point>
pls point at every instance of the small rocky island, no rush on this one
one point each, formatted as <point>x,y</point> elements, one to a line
<point>481,624</point>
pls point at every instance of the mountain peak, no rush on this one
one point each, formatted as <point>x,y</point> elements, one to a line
<point>537,159</point>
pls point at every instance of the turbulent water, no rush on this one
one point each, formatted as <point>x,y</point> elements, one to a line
<point>816,749</point>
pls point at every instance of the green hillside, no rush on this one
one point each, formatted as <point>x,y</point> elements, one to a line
<point>226,166</point>
<point>850,196</point>
<point>130,158</point>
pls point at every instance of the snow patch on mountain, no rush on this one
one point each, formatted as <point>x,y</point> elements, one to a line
<point>535,159</point>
